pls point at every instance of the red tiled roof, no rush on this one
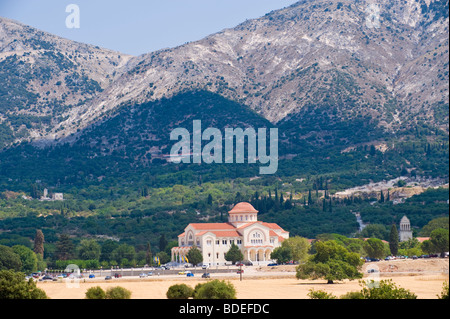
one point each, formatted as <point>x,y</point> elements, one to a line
<point>212,226</point>
<point>273,226</point>
<point>243,207</point>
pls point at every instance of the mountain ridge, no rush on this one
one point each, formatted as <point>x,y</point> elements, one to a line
<point>321,55</point>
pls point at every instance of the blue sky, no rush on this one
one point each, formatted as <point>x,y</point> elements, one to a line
<point>138,26</point>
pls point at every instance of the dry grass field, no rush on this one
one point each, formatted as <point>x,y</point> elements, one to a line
<point>422,277</point>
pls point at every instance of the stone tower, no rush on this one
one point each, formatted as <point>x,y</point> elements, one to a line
<point>405,232</point>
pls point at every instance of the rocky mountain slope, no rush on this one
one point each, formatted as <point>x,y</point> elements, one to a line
<point>43,76</point>
<point>385,61</point>
<point>381,64</point>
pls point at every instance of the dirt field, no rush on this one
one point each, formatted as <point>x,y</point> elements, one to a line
<point>422,277</point>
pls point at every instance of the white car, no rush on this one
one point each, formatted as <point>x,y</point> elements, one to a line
<point>143,275</point>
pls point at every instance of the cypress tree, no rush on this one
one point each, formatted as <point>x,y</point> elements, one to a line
<point>148,255</point>
<point>393,240</point>
<point>39,243</point>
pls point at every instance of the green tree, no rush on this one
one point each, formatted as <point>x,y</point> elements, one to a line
<point>299,247</point>
<point>320,294</point>
<point>14,286</point>
<point>331,262</point>
<point>95,293</point>
<point>194,255</point>
<point>118,293</point>
<point>148,254</point>
<point>162,242</point>
<point>439,239</point>
<point>163,257</point>
<point>89,249</point>
<point>210,200</point>
<point>64,248</point>
<point>215,289</point>
<point>393,240</point>
<point>441,222</point>
<point>281,254</point>
<point>444,292</point>
<point>375,231</point>
<point>427,247</point>
<point>386,289</point>
<point>122,252</point>
<point>234,254</point>
<point>180,291</point>
<point>108,247</point>
<point>9,260</point>
<point>27,257</point>
<point>374,248</point>
<point>39,243</point>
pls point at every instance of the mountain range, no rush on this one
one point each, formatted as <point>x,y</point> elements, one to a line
<point>324,72</point>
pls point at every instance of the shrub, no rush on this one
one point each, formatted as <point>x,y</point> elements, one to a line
<point>215,289</point>
<point>95,293</point>
<point>181,291</point>
<point>118,293</point>
<point>14,286</point>
<point>353,295</point>
<point>386,289</point>
<point>444,293</point>
<point>320,294</point>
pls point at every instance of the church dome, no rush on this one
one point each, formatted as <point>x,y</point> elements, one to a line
<point>243,207</point>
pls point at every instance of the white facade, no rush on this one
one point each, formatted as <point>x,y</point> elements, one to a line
<point>405,232</point>
<point>255,239</point>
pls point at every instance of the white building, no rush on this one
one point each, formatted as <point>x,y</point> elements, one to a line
<point>256,239</point>
<point>405,232</point>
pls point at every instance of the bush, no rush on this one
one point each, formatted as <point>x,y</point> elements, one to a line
<point>95,293</point>
<point>181,291</point>
<point>215,289</point>
<point>386,289</point>
<point>320,294</point>
<point>444,293</point>
<point>353,295</point>
<point>14,286</point>
<point>118,293</point>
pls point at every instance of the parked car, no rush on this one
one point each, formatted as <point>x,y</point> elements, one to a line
<point>91,276</point>
<point>108,278</point>
<point>47,277</point>
<point>205,266</point>
<point>150,274</point>
<point>272,264</point>
<point>143,275</point>
<point>372,270</point>
<point>206,275</point>
<point>182,273</point>
<point>117,275</point>
<point>189,274</point>
<point>240,271</point>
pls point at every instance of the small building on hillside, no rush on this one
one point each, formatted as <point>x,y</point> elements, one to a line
<point>255,239</point>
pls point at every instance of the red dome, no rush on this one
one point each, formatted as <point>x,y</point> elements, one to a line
<point>243,207</point>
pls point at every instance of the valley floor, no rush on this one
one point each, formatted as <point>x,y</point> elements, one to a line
<point>422,277</point>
